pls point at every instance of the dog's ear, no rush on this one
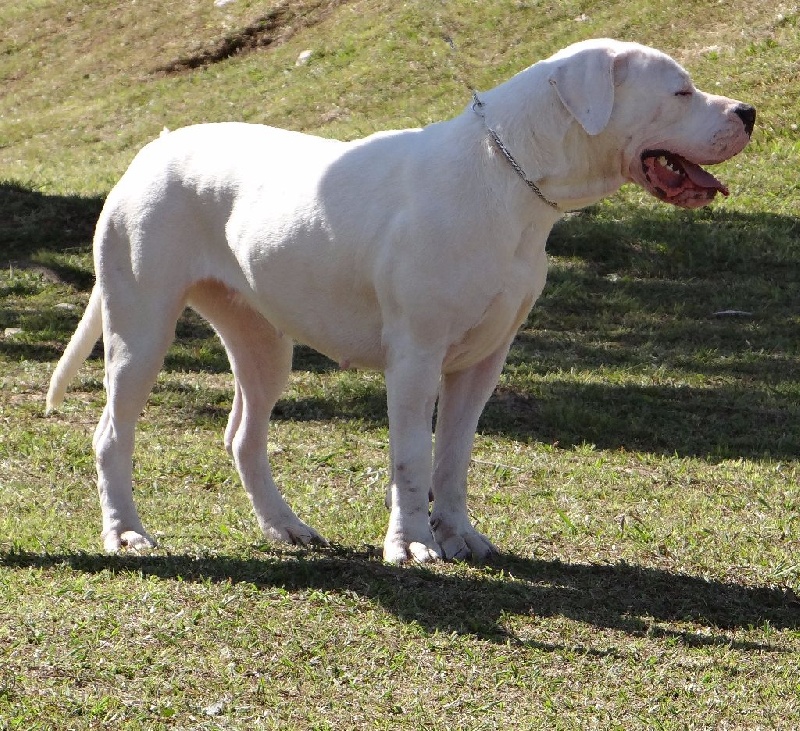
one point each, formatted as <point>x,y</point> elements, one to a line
<point>585,84</point>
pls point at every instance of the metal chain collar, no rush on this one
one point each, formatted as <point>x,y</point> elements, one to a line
<point>477,107</point>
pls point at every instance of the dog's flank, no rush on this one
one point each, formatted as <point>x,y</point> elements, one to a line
<point>416,252</point>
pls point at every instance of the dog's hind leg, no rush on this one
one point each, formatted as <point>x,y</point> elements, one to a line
<point>261,360</point>
<point>234,418</point>
<point>136,336</point>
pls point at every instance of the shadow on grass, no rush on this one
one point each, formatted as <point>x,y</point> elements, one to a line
<point>621,597</point>
<point>34,226</point>
<point>727,422</point>
<point>36,231</point>
<point>633,290</point>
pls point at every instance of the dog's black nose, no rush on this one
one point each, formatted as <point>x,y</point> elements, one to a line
<point>748,116</point>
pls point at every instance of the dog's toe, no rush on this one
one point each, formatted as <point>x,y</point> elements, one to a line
<point>132,540</point>
<point>455,548</point>
<point>294,532</point>
<point>481,548</point>
<point>400,552</point>
<point>466,543</point>
<point>422,554</point>
<point>306,537</point>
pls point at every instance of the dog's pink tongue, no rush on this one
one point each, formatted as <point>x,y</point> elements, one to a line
<point>702,178</point>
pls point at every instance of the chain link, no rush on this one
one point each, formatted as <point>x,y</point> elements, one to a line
<point>477,107</point>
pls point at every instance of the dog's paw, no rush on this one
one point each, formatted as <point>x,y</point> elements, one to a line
<point>295,532</point>
<point>115,540</point>
<point>461,541</point>
<point>398,551</point>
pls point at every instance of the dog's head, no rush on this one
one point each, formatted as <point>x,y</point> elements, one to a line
<point>664,127</point>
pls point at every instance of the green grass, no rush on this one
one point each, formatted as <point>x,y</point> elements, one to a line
<point>637,464</point>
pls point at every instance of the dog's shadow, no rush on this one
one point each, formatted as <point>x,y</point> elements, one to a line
<point>621,597</point>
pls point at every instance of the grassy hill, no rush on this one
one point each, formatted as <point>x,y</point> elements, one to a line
<point>637,465</point>
<point>86,85</point>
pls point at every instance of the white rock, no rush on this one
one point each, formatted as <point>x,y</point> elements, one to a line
<point>215,708</point>
<point>303,58</point>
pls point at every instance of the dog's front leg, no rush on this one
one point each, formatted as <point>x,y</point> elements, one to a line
<point>412,382</point>
<point>461,400</point>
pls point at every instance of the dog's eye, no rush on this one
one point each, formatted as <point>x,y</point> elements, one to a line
<point>684,92</point>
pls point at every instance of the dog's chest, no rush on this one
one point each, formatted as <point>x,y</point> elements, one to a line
<point>494,329</point>
<point>504,313</point>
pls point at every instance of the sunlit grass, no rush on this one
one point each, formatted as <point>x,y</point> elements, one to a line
<point>637,464</point>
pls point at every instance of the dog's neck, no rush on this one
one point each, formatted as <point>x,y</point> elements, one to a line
<point>477,107</point>
<point>547,143</point>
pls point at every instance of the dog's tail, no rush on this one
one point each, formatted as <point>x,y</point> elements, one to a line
<point>78,350</point>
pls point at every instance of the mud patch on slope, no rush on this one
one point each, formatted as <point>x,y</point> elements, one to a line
<point>274,28</point>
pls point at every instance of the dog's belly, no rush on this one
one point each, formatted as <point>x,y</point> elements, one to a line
<point>331,311</point>
<point>340,314</point>
<point>349,337</point>
<point>332,300</point>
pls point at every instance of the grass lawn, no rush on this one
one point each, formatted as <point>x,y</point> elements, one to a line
<point>638,464</point>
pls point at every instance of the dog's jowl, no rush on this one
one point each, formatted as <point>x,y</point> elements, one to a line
<point>418,252</point>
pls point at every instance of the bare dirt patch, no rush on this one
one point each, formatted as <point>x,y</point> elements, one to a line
<point>274,28</point>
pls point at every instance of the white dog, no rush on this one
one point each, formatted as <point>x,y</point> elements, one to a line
<point>418,252</point>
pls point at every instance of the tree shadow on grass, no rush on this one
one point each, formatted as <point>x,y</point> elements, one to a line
<point>621,597</point>
<point>35,226</point>
<point>639,294</point>
<point>37,233</point>
<point>633,289</point>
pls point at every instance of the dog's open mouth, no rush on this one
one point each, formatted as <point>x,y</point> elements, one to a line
<point>676,180</point>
